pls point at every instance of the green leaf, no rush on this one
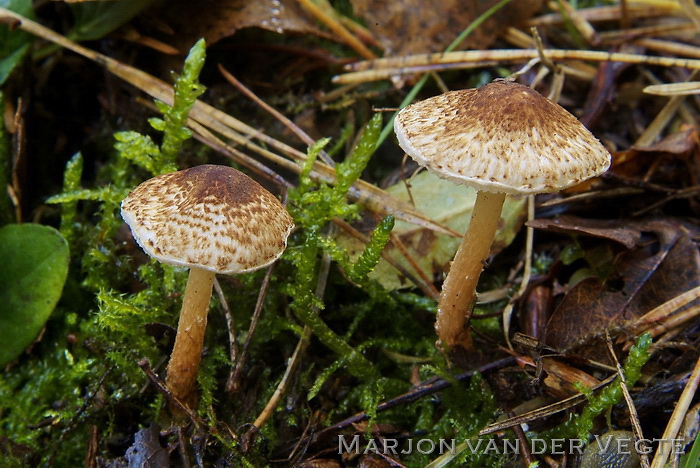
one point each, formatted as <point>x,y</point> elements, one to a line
<point>34,262</point>
<point>13,44</point>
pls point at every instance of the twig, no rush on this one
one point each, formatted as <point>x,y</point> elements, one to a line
<point>232,385</point>
<point>303,136</point>
<point>527,270</point>
<point>634,417</point>
<point>385,68</point>
<point>580,22</point>
<point>294,361</point>
<point>233,347</point>
<point>92,449</point>
<point>71,423</point>
<point>662,119</point>
<point>662,317</point>
<point>337,28</point>
<point>396,241</point>
<point>427,388</point>
<point>548,410</point>
<point>610,13</point>
<point>520,434</point>
<point>162,389</point>
<point>688,192</point>
<point>182,448</point>
<point>677,417</point>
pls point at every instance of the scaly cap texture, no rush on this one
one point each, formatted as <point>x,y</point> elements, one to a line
<point>502,137</point>
<point>211,217</point>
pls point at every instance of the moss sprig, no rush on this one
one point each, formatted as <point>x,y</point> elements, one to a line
<point>313,205</point>
<point>581,425</point>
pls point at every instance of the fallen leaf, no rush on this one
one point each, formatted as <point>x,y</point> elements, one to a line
<point>614,230</point>
<point>644,277</point>
<point>421,26</point>
<point>447,204</point>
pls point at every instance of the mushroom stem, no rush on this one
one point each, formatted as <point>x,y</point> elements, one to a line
<point>459,288</point>
<point>189,341</point>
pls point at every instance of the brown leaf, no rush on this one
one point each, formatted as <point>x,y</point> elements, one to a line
<point>675,143</point>
<point>419,26</point>
<point>561,377</point>
<point>649,275</point>
<point>624,233</point>
<point>216,19</point>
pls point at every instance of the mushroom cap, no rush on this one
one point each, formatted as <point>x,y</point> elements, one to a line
<point>501,137</point>
<point>210,217</point>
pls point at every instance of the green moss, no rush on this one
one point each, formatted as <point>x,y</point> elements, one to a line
<point>581,425</point>
<point>313,206</point>
<point>86,365</point>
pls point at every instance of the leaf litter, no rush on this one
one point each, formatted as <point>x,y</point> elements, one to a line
<point>617,256</point>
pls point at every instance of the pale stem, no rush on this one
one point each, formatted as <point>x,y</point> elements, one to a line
<point>189,341</point>
<point>459,289</point>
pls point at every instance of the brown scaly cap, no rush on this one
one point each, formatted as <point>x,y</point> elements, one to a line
<point>502,137</point>
<point>211,217</point>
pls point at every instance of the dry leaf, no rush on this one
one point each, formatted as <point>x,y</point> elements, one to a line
<point>645,277</point>
<point>447,204</point>
<point>613,230</point>
<point>419,26</point>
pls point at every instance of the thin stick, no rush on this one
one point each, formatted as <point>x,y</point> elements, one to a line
<point>580,22</point>
<point>634,417</point>
<point>421,391</point>
<point>381,69</point>
<point>427,288</point>
<point>527,271</point>
<point>303,136</point>
<point>396,240</point>
<point>303,343</point>
<point>338,29</point>
<point>163,390</point>
<point>677,417</point>
<point>548,410</point>
<point>233,347</point>
<point>232,385</point>
<point>611,13</point>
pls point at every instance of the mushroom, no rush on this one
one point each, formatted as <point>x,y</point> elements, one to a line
<point>502,138</point>
<point>210,219</point>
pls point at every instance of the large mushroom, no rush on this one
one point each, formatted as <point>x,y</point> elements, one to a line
<point>502,138</point>
<point>210,219</point>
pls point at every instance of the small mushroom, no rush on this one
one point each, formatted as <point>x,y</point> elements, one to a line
<point>502,138</point>
<point>210,219</point>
